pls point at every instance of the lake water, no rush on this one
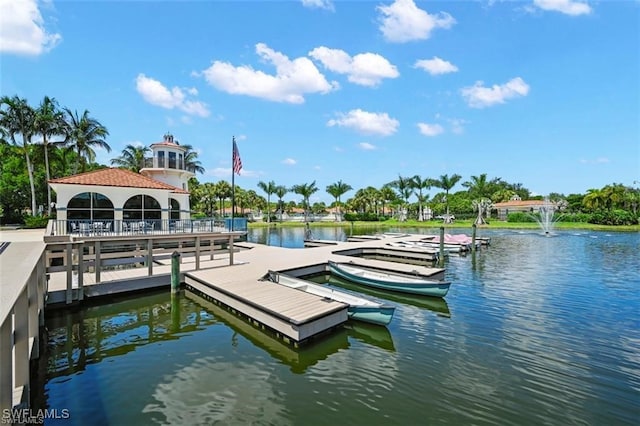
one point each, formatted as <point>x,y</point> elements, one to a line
<point>535,330</point>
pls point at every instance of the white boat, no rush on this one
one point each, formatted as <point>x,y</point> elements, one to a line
<point>360,308</point>
<point>389,280</point>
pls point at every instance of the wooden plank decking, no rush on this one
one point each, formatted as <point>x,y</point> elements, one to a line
<point>293,314</point>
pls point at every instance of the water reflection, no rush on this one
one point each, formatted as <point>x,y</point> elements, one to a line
<point>96,333</point>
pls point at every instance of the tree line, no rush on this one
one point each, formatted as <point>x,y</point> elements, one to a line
<point>38,143</point>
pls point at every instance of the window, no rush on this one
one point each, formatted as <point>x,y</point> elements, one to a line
<point>161,159</point>
<point>90,206</point>
<point>142,207</point>
<point>172,160</point>
<point>180,162</point>
<point>174,209</point>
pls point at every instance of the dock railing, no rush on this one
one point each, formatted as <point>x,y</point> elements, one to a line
<point>24,286</point>
<point>136,227</point>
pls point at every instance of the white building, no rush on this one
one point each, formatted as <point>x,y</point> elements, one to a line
<point>159,192</point>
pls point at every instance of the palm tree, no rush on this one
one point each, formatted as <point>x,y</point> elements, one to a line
<point>337,190</point>
<point>306,190</point>
<point>83,133</point>
<point>420,184</point>
<point>483,207</point>
<point>222,191</point>
<point>387,195</point>
<point>280,191</point>
<point>447,183</point>
<point>269,188</point>
<point>191,162</point>
<point>403,185</point>
<point>49,121</point>
<point>132,157</point>
<point>19,118</point>
<point>478,186</point>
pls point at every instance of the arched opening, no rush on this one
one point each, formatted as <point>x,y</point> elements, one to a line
<point>142,207</point>
<point>90,206</point>
<point>174,209</point>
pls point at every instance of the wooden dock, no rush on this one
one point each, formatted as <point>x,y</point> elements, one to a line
<point>233,279</point>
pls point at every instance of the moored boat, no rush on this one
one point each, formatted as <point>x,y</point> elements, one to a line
<point>389,280</point>
<point>360,308</point>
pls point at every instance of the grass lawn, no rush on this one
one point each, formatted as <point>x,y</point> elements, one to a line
<point>457,224</point>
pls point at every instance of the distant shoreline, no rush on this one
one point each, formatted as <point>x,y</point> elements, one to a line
<point>462,224</point>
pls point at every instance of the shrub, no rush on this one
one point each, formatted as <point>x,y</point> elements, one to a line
<point>32,222</point>
<point>613,217</point>
<point>364,217</point>
<point>520,217</point>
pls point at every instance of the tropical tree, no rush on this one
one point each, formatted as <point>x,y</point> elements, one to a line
<point>483,207</point>
<point>48,122</point>
<point>306,191</point>
<point>132,157</point>
<point>403,185</point>
<point>387,195</point>
<point>479,187</point>
<point>191,162</point>
<point>18,118</point>
<point>420,184</point>
<point>337,190</point>
<point>84,133</point>
<point>269,188</point>
<point>280,191</point>
<point>594,199</point>
<point>223,190</point>
<point>447,183</point>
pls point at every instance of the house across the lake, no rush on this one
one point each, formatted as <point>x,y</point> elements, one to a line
<point>515,205</point>
<point>159,192</point>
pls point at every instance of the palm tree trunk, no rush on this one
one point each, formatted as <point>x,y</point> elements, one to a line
<point>48,174</point>
<point>268,208</point>
<point>31,184</point>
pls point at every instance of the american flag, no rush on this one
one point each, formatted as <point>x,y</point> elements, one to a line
<point>237,162</point>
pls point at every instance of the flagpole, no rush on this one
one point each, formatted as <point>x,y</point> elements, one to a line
<point>233,175</point>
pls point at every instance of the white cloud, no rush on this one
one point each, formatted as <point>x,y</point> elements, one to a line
<point>369,123</point>
<point>292,81</point>
<point>403,21</point>
<point>156,93</point>
<point>430,129</point>
<point>366,69</point>
<point>289,161</point>
<point>436,66</point>
<point>367,146</point>
<point>568,7</point>
<point>478,96</point>
<point>22,29</point>
<point>318,4</point>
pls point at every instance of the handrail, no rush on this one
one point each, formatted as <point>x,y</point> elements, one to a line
<point>137,227</point>
<point>24,287</point>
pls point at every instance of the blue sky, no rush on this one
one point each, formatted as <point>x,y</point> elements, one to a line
<point>541,92</point>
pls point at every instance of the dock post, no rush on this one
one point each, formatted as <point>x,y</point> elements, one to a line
<point>441,245</point>
<point>175,272</point>
<point>473,239</point>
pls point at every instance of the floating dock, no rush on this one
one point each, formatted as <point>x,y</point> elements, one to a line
<point>233,280</point>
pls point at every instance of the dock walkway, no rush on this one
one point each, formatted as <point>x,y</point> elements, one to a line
<point>293,314</point>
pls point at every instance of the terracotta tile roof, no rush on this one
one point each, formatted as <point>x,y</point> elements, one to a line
<point>519,203</point>
<point>165,143</point>
<point>116,177</point>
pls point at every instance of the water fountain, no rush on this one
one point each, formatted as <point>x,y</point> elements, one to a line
<point>546,216</point>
